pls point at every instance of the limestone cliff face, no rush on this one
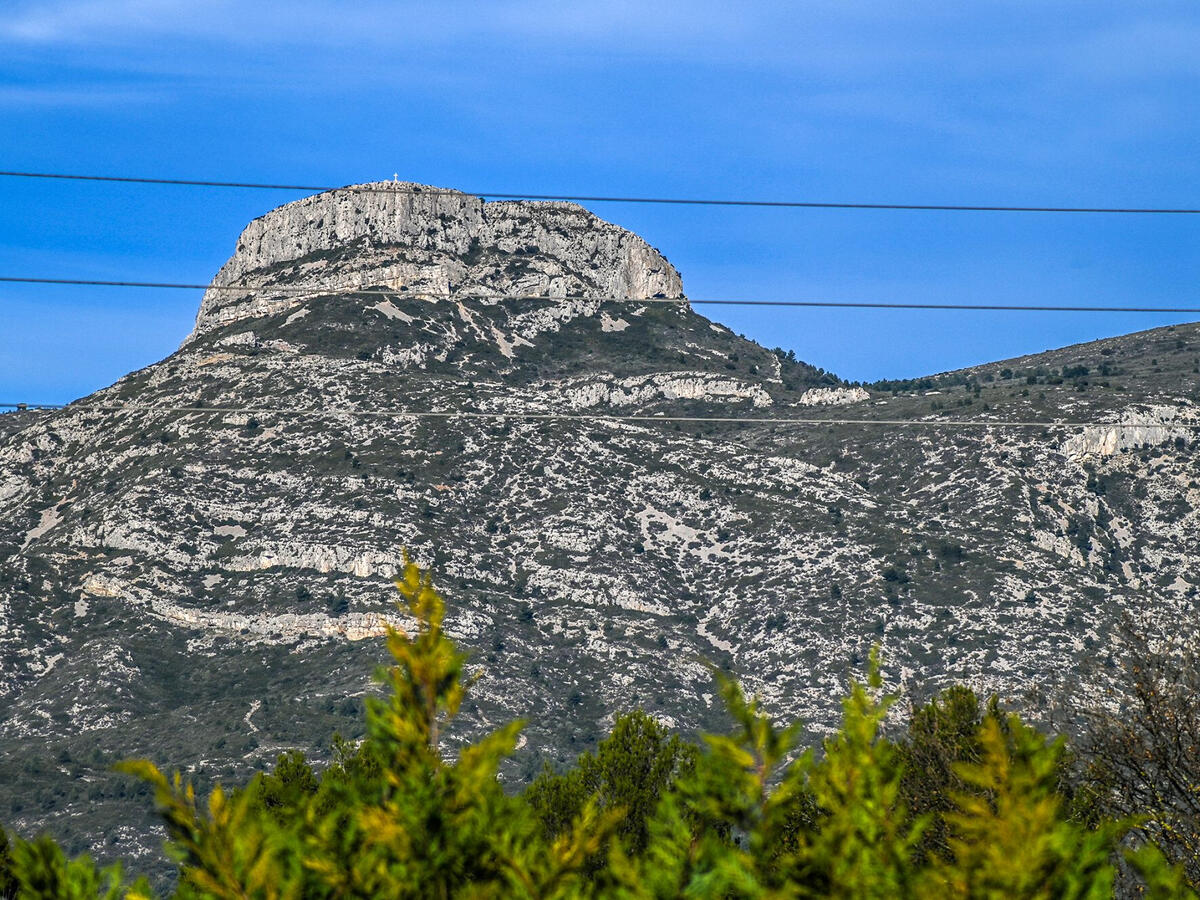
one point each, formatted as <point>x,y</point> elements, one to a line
<point>429,240</point>
<point>1156,425</point>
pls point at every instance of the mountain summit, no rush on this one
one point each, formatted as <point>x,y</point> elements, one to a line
<point>427,240</point>
<point>541,306</point>
<point>195,561</point>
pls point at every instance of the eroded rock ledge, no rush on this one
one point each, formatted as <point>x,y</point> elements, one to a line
<point>429,240</point>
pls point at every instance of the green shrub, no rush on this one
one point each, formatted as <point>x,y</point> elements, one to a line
<point>631,769</point>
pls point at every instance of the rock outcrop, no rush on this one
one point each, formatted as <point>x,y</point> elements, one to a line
<point>1153,426</point>
<point>430,241</point>
<point>833,396</point>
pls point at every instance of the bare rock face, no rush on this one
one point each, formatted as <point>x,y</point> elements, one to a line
<point>1155,425</point>
<point>834,396</point>
<point>426,240</point>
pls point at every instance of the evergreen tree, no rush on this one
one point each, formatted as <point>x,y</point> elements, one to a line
<point>630,771</point>
<point>941,735</point>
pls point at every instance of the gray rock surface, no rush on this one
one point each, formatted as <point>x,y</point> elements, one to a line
<point>414,238</point>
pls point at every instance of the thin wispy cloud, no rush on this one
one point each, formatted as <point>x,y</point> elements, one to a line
<point>82,97</point>
<point>665,25</point>
<point>857,42</point>
<point>90,21</point>
<point>1138,50</point>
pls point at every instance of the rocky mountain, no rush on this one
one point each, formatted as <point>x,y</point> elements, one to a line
<point>194,562</point>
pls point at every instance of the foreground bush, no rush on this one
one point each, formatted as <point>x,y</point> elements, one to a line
<point>967,805</point>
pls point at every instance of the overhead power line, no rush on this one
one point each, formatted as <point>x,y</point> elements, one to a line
<point>394,292</point>
<point>334,411</point>
<point>582,198</point>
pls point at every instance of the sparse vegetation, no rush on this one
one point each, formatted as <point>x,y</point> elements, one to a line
<point>969,803</point>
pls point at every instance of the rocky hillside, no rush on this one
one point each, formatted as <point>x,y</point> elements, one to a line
<point>194,562</point>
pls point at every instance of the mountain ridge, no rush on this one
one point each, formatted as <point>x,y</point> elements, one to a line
<point>168,566</point>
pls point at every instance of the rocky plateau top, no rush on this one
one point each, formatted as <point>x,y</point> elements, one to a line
<point>426,240</point>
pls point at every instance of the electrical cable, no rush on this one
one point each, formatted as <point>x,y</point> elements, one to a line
<point>84,406</point>
<point>403,188</point>
<point>395,292</point>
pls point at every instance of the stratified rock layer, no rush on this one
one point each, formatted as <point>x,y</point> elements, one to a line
<point>430,240</point>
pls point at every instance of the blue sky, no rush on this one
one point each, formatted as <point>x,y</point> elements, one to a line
<point>1054,103</point>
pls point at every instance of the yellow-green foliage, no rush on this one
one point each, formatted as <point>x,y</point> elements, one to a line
<point>40,869</point>
<point>1010,837</point>
<point>398,819</point>
<point>863,843</point>
<point>745,815</point>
